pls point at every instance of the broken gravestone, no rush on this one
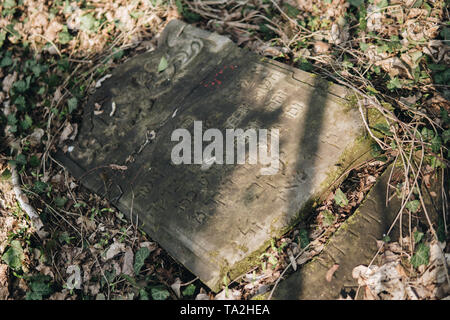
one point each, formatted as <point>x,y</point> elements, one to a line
<point>357,241</point>
<point>147,133</point>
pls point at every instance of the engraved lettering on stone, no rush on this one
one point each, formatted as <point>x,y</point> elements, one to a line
<point>277,100</point>
<point>294,110</point>
<point>237,116</point>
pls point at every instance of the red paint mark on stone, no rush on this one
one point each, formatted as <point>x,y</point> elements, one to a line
<point>219,77</point>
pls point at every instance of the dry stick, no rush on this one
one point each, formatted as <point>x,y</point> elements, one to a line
<point>290,263</point>
<point>287,17</point>
<point>444,200</point>
<point>434,234</point>
<point>392,117</point>
<point>388,115</point>
<point>241,276</point>
<point>25,205</point>
<point>131,218</point>
<point>381,143</point>
<point>406,174</point>
<point>48,40</point>
<point>389,181</point>
<point>411,243</point>
<point>404,200</point>
<point>20,196</point>
<point>400,212</point>
<point>188,283</point>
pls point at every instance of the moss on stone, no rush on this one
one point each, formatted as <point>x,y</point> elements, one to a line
<point>356,153</point>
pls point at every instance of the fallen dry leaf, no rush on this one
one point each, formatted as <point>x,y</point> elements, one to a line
<point>127,267</point>
<point>35,137</point>
<point>113,250</point>
<point>4,292</point>
<point>67,131</point>
<point>8,81</point>
<point>176,287</point>
<point>321,47</point>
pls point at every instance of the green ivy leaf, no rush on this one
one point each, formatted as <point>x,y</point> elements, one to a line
<point>64,36</point>
<point>427,134</point>
<point>159,293</point>
<point>382,3</point>
<point>356,3</point>
<point>328,218</point>
<point>139,259</point>
<point>87,22</point>
<point>12,120</point>
<point>27,122</point>
<point>383,128</point>
<point>421,256</point>
<point>304,239</point>
<point>413,206</point>
<point>72,104</point>
<point>40,187</point>
<point>20,86</point>
<point>20,102</point>
<point>6,175</point>
<point>437,67</point>
<point>179,6</point>
<point>14,256</point>
<point>446,135</point>
<point>418,236</point>
<point>118,54</point>
<point>33,296</point>
<point>436,163</point>
<point>6,62</point>
<point>162,64</point>
<point>38,69</point>
<point>436,144</point>
<point>40,286</point>
<point>34,161</point>
<point>340,198</point>
<point>394,83</point>
<point>364,46</point>
<point>143,295</point>
<point>291,11</point>
<point>2,38</point>
<point>60,201</point>
<point>65,237</point>
<point>445,33</point>
<point>189,290</point>
<point>8,4</point>
<point>21,159</point>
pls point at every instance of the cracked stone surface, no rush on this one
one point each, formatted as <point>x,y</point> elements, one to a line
<point>214,219</point>
<point>353,244</point>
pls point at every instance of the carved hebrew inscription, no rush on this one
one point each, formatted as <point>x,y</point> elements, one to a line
<point>208,217</point>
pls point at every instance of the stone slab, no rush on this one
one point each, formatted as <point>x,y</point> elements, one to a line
<point>213,221</point>
<point>354,244</point>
